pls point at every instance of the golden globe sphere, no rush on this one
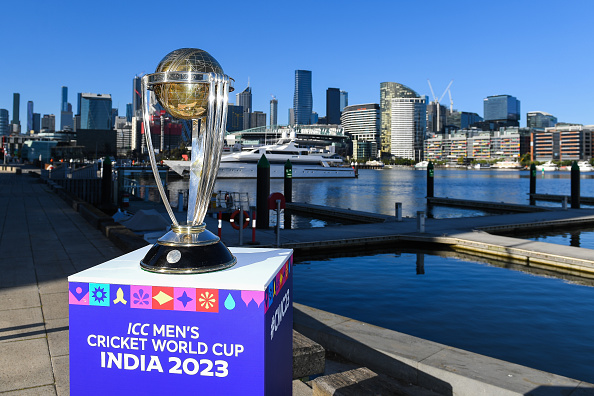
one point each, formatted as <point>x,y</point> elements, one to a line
<point>184,100</point>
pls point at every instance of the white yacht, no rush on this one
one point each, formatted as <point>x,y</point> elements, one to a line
<point>422,165</point>
<point>506,165</point>
<point>585,166</point>
<point>547,166</point>
<point>283,150</point>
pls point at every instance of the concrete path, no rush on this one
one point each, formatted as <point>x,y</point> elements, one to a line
<point>42,241</point>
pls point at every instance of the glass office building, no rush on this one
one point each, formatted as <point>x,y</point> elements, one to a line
<point>344,100</point>
<point>408,127</point>
<point>273,111</point>
<point>501,108</point>
<point>29,116</point>
<point>303,98</point>
<point>540,120</point>
<point>4,126</point>
<point>95,112</point>
<point>333,106</point>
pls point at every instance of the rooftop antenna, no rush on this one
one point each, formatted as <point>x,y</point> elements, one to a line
<point>438,100</point>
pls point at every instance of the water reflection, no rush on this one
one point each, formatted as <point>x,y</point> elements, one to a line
<point>510,315</point>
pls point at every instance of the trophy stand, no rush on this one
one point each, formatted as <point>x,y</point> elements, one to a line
<point>144,329</point>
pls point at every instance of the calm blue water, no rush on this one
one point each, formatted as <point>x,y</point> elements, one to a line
<point>578,238</point>
<point>540,322</point>
<point>378,190</point>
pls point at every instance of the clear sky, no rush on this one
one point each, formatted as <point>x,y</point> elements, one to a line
<point>538,51</point>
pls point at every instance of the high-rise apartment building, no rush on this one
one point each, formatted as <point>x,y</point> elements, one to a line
<point>569,142</point>
<point>540,120</point>
<point>4,125</point>
<point>244,99</point>
<point>48,122</point>
<point>273,111</point>
<point>389,91</point>
<point>129,112</point>
<point>435,125</point>
<point>64,105</point>
<point>333,106</point>
<point>502,108</point>
<point>361,123</point>
<point>29,116</point>
<point>16,105</point>
<point>408,127</point>
<point>234,118</point>
<point>344,100</point>
<point>137,97</point>
<point>303,98</point>
<point>36,122</point>
<point>96,112</point>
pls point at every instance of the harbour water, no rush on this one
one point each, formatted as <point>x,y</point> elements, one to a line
<point>536,321</point>
<point>378,190</point>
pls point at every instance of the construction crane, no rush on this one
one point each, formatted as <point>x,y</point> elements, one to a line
<point>451,101</point>
<point>436,101</point>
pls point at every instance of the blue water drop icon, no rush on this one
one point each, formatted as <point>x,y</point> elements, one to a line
<point>229,302</point>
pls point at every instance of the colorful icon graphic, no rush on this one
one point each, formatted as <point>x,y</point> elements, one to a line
<point>99,294</point>
<point>120,297</point>
<point>185,299</point>
<point>140,297</point>
<point>78,293</point>
<point>230,302</point>
<point>207,300</point>
<point>163,297</point>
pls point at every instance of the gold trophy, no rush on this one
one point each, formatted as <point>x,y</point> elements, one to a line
<point>190,85</point>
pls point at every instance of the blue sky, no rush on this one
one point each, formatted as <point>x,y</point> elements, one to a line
<point>539,51</point>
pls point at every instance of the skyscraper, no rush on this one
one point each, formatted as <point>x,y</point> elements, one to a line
<point>4,125</point>
<point>78,96</point>
<point>540,120</point>
<point>333,106</point>
<point>36,122</point>
<point>502,108</point>
<point>96,111</point>
<point>16,104</point>
<point>273,111</point>
<point>48,122</point>
<point>409,125</point>
<point>137,97</point>
<point>244,99</point>
<point>29,116</point>
<point>129,112</point>
<point>388,91</point>
<point>344,100</point>
<point>64,106</point>
<point>303,99</point>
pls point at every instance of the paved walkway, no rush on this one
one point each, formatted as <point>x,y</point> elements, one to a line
<point>42,241</point>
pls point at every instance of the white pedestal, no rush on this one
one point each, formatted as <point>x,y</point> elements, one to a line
<point>227,332</point>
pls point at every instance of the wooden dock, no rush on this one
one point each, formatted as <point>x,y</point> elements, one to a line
<point>486,206</point>
<point>559,198</point>
<point>337,214</point>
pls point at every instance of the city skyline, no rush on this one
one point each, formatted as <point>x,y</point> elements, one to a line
<point>489,49</point>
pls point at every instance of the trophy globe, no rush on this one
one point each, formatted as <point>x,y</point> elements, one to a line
<point>190,85</point>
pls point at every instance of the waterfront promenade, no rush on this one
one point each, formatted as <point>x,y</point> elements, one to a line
<point>43,240</point>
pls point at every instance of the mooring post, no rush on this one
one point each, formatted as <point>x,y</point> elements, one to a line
<point>430,176</point>
<point>398,211</point>
<point>240,226</point>
<point>564,203</point>
<point>288,191</point>
<point>278,209</point>
<point>106,182</point>
<point>420,221</point>
<point>262,192</point>
<point>575,186</point>
<point>532,183</point>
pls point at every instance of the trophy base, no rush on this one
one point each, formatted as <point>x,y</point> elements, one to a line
<point>178,259</point>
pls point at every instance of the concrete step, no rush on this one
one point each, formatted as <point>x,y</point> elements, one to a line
<point>308,357</point>
<point>363,381</point>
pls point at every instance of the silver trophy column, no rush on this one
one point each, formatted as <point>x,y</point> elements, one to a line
<point>189,247</point>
